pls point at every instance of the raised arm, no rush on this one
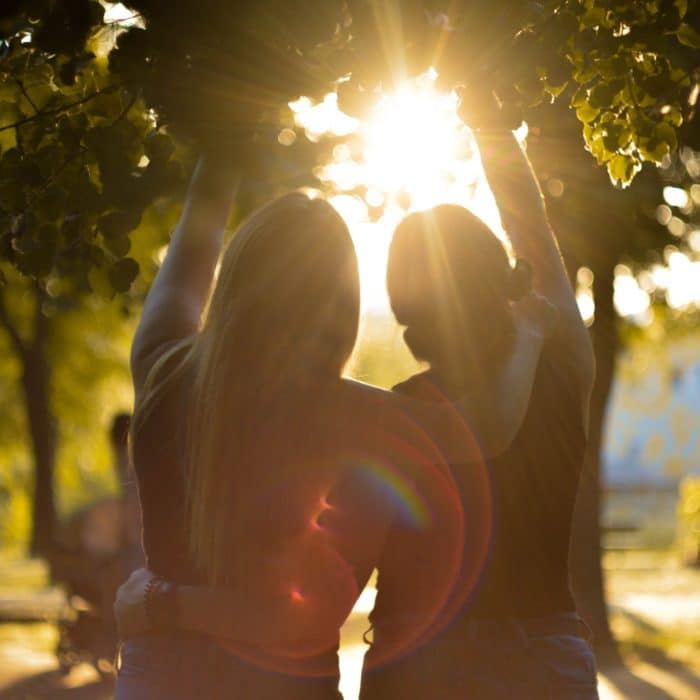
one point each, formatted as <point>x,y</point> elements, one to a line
<point>521,205</point>
<point>177,298</point>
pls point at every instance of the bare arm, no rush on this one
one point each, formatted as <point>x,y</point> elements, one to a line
<point>521,205</point>
<point>289,601</point>
<point>291,627</point>
<point>177,298</point>
<point>291,606</point>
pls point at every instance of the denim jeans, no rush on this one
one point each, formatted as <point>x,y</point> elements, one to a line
<point>551,667</point>
<point>159,667</point>
<point>188,667</point>
<point>501,661</point>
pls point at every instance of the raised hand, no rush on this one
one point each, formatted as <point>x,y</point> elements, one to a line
<point>481,109</point>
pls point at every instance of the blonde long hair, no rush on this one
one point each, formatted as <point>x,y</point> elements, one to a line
<point>286,304</point>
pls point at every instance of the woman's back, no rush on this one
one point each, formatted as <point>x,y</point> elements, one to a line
<point>321,493</point>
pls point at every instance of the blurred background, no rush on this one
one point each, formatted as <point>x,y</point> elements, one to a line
<point>67,511</point>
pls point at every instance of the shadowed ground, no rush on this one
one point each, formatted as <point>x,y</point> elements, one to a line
<point>655,608</point>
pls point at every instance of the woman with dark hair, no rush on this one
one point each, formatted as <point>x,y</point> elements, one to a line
<point>513,632</point>
<point>255,459</point>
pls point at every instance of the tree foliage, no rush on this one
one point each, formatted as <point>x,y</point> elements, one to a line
<point>87,350</point>
<point>629,69</point>
<point>76,350</point>
<point>82,155</point>
<point>77,117</point>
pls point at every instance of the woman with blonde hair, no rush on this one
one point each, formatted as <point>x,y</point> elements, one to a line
<point>260,520</point>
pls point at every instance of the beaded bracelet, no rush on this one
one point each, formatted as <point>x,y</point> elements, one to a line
<point>151,588</point>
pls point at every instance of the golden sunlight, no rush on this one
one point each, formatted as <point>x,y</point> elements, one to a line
<point>411,154</point>
<point>416,146</point>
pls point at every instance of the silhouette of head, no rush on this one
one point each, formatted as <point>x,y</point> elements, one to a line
<point>285,310</point>
<point>450,283</point>
<point>287,295</point>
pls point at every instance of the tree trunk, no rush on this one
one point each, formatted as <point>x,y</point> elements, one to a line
<point>586,565</point>
<point>36,375</point>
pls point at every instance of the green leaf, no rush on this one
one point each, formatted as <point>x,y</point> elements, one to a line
<point>587,113</point>
<point>580,97</point>
<point>625,137</point>
<point>653,150</point>
<point>601,96</point>
<point>622,169</point>
<point>666,133</point>
<point>52,204</point>
<point>95,255</point>
<point>674,117</point>
<point>123,273</point>
<point>555,90</point>
<point>593,17</point>
<point>12,196</point>
<point>119,246</point>
<point>599,151</point>
<point>611,138</point>
<point>73,228</point>
<point>159,147</point>
<point>100,282</point>
<point>118,223</point>
<point>688,36</point>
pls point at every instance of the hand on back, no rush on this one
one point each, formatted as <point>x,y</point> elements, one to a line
<point>129,609</point>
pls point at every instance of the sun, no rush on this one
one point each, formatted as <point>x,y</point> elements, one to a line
<point>415,146</point>
<point>412,153</point>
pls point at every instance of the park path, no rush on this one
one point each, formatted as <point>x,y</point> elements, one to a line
<point>655,602</point>
<point>29,671</point>
<point>27,674</point>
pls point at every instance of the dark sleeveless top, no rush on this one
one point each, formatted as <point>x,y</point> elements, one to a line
<point>533,487</point>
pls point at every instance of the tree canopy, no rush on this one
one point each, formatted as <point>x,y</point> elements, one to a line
<point>81,120</point>
<point>629,69</point>
<point>82,155</point>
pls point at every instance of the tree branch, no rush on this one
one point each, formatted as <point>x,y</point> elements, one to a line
<point>9,326</point>
<point>126,109</point>
<point>20,84</point>
<point>41,325</point>
<point>58,110</point>
<point>52,178</point>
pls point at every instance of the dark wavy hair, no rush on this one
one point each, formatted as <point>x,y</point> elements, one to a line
<point>450,282</point>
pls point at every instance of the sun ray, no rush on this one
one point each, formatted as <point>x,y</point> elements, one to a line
<point>411,154</point>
